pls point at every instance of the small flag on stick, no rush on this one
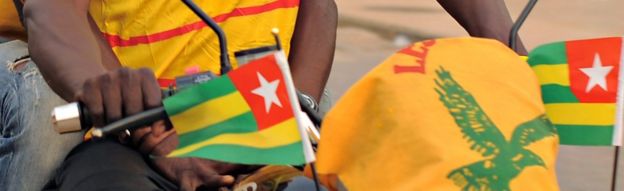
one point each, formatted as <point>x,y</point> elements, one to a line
<point>249,116</point>
<point>581,89</point>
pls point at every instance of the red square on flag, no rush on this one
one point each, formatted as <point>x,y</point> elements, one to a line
<point>261,83</point>
<point>594,67</point>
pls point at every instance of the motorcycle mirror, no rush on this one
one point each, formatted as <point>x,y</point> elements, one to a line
<point>513,36</point>
<point>224,56</point>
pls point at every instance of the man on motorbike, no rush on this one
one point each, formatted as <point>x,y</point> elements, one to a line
<point>85,51</point>
<point>77,63</point>
<point>129,165</point>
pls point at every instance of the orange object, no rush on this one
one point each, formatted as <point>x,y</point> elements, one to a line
<point>445,114</point>
<point>10,26</point>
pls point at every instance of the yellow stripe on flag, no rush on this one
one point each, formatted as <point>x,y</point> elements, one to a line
<point>284,133</point>
<point>213,112</point>
<point>553,74</point>
<point>581,113</point>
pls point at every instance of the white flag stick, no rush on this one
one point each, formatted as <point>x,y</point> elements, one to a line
<point>292,95</point>
<point>619,113</point>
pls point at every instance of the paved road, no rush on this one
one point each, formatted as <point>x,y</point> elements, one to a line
<point>551,20</point>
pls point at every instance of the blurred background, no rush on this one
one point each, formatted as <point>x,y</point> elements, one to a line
<point>371,30</point>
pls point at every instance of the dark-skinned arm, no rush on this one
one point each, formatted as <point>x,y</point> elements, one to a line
<point>79,65</point>
<point>483,18</point>
<point>313,44</point>
<point>62,44</point>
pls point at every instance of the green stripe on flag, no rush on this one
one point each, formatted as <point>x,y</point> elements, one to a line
<point>291,154</point>
<point>585,135</point>
<point>552,93</point>
<point>195,95</point>
<point>554,53</point>
<point>243,123</point>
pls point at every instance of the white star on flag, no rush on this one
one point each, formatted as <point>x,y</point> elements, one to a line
<point>597,74</point>
<point>268,91</point>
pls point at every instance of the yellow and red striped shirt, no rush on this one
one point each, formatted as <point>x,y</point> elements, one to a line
<point>10,26</point>
<point>168,38</point>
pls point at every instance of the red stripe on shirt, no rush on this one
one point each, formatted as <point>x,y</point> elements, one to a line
<point>118,41</point>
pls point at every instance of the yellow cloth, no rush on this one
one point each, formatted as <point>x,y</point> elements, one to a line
<point>480,127</point>
<point>10,26</point>
<point>167,37</point>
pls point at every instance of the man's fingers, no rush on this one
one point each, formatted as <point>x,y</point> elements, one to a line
<point>130,91</point>
<point>191,173</point>
<point>158,128</point>
<point>188,180</point>
<point>150,142</point>
<point>92,98</point>
<point>227,180</point>
<point>139,134</point>
<point>111,96</point>
<point>155,140</point>
<point>215,180</point>
<point>120,93</point>
<point>191,180</point>
<point>152,96</point>
<point>167,144</point>
<point>210,176</point>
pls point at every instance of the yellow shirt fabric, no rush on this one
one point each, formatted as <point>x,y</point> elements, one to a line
<point>10,26</point>
<point>167,37</point>
<point>445,114</point>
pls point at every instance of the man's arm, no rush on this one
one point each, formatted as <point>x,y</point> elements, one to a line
<point>313,44</point>
<point>78,64</point>
<point>62,44</point>
<point>483,18</point>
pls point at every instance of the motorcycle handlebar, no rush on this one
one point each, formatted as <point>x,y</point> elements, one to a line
<point>74,117</point>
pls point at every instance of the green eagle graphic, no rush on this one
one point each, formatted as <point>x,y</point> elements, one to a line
<point>504,160</point>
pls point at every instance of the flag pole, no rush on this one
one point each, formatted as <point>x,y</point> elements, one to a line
<point>615,168</point>
<point>296,108</point>
<point>317,185</point>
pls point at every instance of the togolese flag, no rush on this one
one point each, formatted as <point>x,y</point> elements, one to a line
<point>579,82</point>
<point>244,117</point>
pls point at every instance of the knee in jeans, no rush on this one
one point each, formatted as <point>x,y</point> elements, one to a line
<point>9,115</point>
<point>17,65</point>
<point>27,76</point>
<point>10,112</point>
<point>21,66</point>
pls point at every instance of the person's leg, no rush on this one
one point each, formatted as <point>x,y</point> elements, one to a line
<point>30,150</point>
<point>107,165</point>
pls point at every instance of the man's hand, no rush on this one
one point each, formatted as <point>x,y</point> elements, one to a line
<point>189,173</point>
<point>192,173</point>
<point>119,93</point>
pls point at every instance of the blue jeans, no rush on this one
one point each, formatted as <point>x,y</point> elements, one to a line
<point>30,150</point>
